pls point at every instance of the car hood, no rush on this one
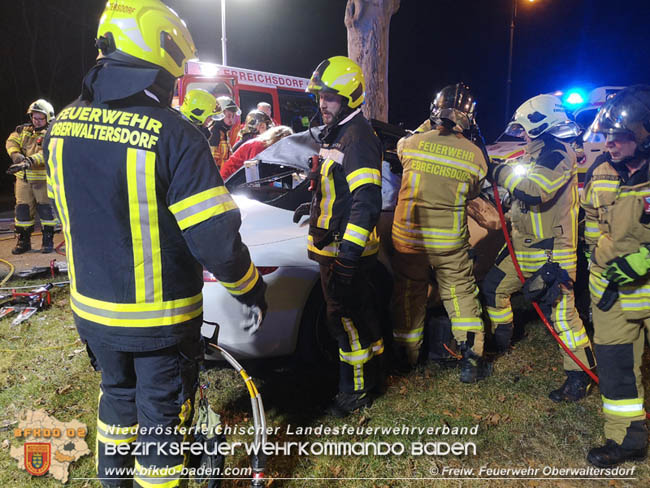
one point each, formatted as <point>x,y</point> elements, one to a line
<point>294,150</point>
<point>506,150</point>
<point>263,224</point>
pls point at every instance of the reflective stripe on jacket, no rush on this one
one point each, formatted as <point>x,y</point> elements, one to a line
<point>143,210</point>
<point>617,210</point>
<point>29,142</point>
<point>441,173</point>
<point>347,201</point>
<point>219,143</point>
<point>544,211</point>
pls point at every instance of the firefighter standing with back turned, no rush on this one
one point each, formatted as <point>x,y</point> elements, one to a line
<point>616,201</point>
<point>442,171</point>
<point>25,147</point>
<point>544,218</point>
<point>137,237</point>
<point>345,207</point>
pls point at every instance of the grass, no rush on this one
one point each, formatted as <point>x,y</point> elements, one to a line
<point>42,365</point>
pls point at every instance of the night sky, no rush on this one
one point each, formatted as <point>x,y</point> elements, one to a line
<point>47,45</point>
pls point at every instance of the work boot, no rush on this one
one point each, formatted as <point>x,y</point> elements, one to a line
<point>24,243</point>
<point>611,454</point>
<point>346,403</point>
<point>400,362</point>
<point>472,366</point>
<point>48,240</point>
<point>502,337</point>
<point>575,387</point>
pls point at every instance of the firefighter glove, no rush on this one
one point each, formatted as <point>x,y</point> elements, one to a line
<point>341,280</point>
<point>255,310</point>
<point>343,271</point>
<point>610,295</point>
<point>492,171</point>
<point>17,157</point>
<point>16,167</point>
<point>627,269</point>
<point>253,317</point>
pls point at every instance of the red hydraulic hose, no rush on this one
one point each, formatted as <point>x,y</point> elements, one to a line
<point>58,250</point>
<point>497,199</point>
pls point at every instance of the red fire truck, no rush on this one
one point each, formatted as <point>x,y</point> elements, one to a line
<point>291,105</point>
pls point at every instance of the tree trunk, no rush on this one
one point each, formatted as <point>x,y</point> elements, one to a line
<point>367,23</point>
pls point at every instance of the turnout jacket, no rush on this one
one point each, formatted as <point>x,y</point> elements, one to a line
<point>28,141</point>
<point>219,143</point>
<point>346,204</point>
<point>143,208</point>
<point>545,205</point>
<point>440,174</point>
<point>617,222</point>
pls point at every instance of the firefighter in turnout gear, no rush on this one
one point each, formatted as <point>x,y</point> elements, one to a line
<point>227,111</point>
<point>443,170</point>
<point>25,147</point>
<point>544,216</point>
<point>345,207</point>
<point>199,105</point>
<point>138,237</point>
<point>616,201</point>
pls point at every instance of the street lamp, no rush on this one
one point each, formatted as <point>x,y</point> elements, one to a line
<point>224,57</point>
<point>512,36</point>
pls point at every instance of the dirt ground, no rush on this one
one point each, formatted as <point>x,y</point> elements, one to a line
<point>29,259</point>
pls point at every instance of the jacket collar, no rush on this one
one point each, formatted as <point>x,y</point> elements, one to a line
<point>109,81</point>
<point>329,133</point>
<point>349,117</point>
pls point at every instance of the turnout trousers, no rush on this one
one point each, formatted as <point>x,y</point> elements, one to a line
<point>502,281</point>
<point>145,400</point>
<point>31,197</point>
<point>458,292</point>
<point>354,324</point>
<point>619,339</point>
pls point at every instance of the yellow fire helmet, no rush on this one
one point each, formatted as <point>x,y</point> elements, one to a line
<point>147,30</point>
<point>198,105</point>
<point>42,106</point>
<point>342,76</point>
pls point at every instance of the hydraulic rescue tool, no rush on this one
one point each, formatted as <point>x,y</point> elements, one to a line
<point>26,304</point>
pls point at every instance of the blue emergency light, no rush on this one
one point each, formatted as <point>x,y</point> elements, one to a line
<point>574,98</point>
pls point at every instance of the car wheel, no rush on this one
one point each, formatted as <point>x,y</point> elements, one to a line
<point>315,345</point>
